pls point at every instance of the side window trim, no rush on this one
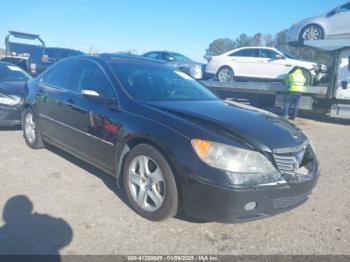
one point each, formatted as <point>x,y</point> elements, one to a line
<point>234,54</point>
<point>64,87</point>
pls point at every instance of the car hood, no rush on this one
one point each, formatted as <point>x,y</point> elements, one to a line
<point>12,88</point>
<point>261,129</point>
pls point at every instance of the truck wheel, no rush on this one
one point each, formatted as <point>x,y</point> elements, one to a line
<point>149,183</point>
<point>308,77</point>
<point>225,74</point>
<point>31,131</point>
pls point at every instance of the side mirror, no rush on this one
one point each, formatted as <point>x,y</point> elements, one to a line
<point>344,84</point>
<point>280,57</point>
<point>97,96</point>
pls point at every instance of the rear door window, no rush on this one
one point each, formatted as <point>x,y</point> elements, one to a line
<point>58,75</point>
<point>251,52</point>
<point>88,75</point>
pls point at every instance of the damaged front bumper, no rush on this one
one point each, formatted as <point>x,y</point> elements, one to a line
<point>232,204</point>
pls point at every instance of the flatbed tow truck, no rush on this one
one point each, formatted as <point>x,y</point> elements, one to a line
<point>18,53</point>
<point>332,98</point>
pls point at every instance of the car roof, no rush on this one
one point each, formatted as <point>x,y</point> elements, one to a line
<point>251,47</point>
<point>158,51</point>
<point>128,58</point>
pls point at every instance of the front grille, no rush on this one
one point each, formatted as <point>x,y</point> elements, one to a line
<point>285,202</point>
<point>295,161</point>
<point>286,164</point>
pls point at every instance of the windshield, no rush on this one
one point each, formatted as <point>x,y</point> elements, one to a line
<point>150,82</point>
<point>12,73</point>
<point>181,58</point>
<point>287,54</point>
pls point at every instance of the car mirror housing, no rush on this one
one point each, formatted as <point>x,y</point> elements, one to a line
<point>280,57</point>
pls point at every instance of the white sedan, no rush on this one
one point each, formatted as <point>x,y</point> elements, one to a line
<point>333,24</point>
<point>258,63</point>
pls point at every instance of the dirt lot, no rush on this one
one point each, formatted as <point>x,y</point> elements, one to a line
<point>86,214</point>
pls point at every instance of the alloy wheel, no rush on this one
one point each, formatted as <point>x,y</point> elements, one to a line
<point>147,183</point>
<point>312,33</point>
<point>29,128</point>
<point>225,75</point>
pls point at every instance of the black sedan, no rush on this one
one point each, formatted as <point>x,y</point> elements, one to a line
<point>12,91</point>
<point>170,142</point>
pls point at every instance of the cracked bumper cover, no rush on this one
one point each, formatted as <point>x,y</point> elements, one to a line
<point>214,203</point>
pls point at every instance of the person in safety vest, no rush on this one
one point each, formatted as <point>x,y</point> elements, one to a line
<point>296,83</point>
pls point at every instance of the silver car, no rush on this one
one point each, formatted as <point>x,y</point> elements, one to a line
<point>183,63</point>
<point>333,24</point>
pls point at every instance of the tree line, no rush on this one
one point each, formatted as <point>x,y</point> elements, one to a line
<point>222,45</point>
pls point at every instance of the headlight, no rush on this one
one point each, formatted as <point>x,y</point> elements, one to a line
<point>243,166</point>
<point>9,100</point>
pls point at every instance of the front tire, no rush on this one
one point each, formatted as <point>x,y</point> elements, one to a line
<point>311,32</point>
<point>225,74</point>
<point>308,77</point>
<point>31,131</point>
<point>149,183</point>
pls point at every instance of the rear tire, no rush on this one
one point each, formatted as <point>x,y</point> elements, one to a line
<point>149,183</point>
<point>31,131</point>
<point>225,74</point>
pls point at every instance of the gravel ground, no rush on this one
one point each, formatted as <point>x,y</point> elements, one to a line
<point>80,210</point>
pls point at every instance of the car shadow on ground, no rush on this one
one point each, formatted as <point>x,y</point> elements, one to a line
<point>26,232</point>
<point>108,180</point>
